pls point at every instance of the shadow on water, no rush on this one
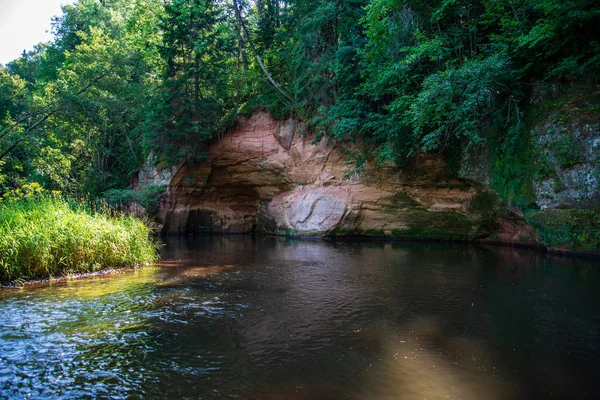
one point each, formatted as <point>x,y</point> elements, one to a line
<point>276,318</point>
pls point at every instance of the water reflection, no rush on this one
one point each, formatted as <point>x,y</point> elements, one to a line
<point>266,318</point>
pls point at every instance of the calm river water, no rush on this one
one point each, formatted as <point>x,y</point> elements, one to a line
<point>274,318</point>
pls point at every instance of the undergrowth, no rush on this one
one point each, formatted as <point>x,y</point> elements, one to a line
<point>46,236</point>
<point>577,229</point>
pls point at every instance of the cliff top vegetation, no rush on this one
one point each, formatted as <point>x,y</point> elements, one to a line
<point>123,78</point>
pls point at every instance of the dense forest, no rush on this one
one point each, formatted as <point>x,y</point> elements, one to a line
<point>126,78</point>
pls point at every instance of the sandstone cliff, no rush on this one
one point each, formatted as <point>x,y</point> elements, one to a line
<point>264,176</point>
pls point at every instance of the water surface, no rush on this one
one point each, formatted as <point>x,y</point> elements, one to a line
<point>270,318</point>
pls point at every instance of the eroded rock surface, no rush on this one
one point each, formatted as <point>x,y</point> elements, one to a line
<point>150,175</point>
<point>568,164</point>
<point>265,176</point>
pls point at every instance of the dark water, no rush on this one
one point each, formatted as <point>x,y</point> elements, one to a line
<point>253,318</point>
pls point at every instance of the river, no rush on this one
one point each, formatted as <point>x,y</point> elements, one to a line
<point>274,318</point>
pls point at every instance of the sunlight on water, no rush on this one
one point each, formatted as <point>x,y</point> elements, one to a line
<point>273,318</point>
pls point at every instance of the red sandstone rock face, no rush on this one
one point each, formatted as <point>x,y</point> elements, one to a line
<point>264,176</point>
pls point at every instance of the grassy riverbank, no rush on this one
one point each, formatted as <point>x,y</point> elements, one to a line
<point>49,237</point>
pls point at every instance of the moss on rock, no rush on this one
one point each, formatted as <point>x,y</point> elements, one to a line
<point>576,229</point>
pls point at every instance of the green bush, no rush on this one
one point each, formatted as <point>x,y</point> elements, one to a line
<point>146,197</point>
<point>49,236</point>
<point>578,229</point>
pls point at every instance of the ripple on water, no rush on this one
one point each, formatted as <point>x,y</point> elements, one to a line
<point>279,319</point>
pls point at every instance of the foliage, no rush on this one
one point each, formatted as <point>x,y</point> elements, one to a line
<point>578,229</point>
<point>32,191</point>
<point>46,236</point>
<point>512,168</point>
<point>73,126</point>
<point>197,89</point>
<point>147,197</point>
<point>124,78</point>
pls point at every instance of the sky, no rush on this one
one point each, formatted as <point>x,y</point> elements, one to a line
<point>25,23</point>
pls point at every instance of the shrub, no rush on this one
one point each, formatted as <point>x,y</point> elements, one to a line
<point>48,236</point>
<point>147,197</point>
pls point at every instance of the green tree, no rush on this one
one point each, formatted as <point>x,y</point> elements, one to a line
<point>196,96</point>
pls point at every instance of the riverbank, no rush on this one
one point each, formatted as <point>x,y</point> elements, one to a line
<point>51,237</point>
<point>70,277</point>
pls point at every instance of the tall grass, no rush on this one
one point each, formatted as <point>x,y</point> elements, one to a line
<point>49,236</point>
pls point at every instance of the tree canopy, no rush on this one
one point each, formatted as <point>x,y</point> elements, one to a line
<point>124,78</point>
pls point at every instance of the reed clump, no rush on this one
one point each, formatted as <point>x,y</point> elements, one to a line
<point>48,236</point>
